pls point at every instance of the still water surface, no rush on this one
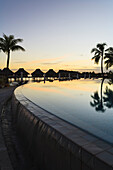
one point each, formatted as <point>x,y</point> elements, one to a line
<point>87,104</point>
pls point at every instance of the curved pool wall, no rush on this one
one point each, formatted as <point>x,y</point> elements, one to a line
<point>54,144</point>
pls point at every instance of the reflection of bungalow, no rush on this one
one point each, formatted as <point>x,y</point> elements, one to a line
<point>75,74</point>
<point>37,73</point>
<point>7,72</point>
<point>21,72</point>
<point>51,73</point>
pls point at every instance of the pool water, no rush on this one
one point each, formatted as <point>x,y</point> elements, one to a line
<point>85,103</point>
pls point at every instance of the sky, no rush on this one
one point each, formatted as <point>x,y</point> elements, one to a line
<point>57,34</point>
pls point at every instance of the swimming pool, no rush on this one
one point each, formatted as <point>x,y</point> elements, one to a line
<point>85,103</point>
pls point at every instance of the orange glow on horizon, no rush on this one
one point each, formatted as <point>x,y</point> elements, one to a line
<point>57,63</point>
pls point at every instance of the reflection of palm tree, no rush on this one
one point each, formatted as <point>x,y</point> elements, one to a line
<point>98,101</point>
<point>110,82</point>
<point>108,99</point>
<point>8,43</point>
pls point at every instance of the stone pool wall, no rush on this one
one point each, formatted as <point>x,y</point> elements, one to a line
<point>54,144</point>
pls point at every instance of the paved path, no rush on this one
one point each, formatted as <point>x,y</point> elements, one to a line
<point>5,163</point>
<point>10,144</point>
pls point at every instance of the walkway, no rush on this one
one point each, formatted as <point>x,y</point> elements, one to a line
<point>5,163</point>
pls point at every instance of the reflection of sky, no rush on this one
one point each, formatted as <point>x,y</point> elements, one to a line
<point>70,100</point>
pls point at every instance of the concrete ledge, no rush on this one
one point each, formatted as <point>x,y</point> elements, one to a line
<point>55,144</point>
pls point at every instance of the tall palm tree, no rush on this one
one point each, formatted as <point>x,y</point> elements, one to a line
<point>99,54</point>
<point>109,57</point>
<point>9,43</point>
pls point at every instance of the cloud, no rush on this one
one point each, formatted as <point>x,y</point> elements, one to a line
<point>42,61</point>
<point>95,69</point>
<point>19,62</point>
<point>53,63</point>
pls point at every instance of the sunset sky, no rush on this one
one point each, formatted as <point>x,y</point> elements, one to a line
<point>57,34</point>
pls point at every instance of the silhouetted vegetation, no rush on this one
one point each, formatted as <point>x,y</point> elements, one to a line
<point>109,57</point>
<point>9,43</point>
<point>101,53</point>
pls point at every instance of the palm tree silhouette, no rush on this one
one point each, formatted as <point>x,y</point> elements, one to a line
<point>9,43</point>
<point>99,54</point>
<point>109,57</point>
<point>98,101</point>
<point>108,98</point>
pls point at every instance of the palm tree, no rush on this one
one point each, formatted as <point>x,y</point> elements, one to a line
<point>9,43</point>
<point>109,57</point>
<point>99,54</point>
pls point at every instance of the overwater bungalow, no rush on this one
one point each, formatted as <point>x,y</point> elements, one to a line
<point>65,74</point>
<point>7,72</point>
<point>51,73</point>
<point>21,73</point>
<point>37,73</point>
<point>62,73</point>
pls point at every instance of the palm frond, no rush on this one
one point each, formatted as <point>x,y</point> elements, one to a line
<point>101,45</point>
<point>1,40</point>
<point>110,49</point>
<point>104,44</point>
<point>95,50</point>
<point>15,41</point>
<point>17,47</point>
<point>96,58</point>
<point>5,36</point>
<point>11,37</point>
<point>109,63</point>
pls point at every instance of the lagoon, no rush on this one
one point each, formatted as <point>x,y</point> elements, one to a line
<point>84,103</point>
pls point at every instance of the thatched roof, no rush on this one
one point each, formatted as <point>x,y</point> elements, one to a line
<point>7,72</point>
<point>37,73</point>
<point>21,70</point>
<point>51,73</point>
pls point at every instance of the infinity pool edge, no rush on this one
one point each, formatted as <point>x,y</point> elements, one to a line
<point>69,146</point>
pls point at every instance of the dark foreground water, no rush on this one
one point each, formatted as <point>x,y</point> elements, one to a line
<point>87,104</point>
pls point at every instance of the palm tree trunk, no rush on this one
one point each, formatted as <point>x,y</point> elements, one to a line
<point>102,64</point>
<point>8,57</point>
